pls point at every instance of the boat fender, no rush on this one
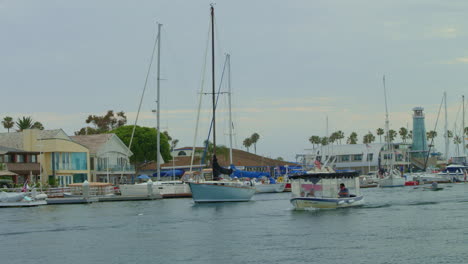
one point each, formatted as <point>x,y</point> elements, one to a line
<point>340,202</point>
<point>351,201</point>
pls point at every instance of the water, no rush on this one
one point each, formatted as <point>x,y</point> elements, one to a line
<point>400,225</point>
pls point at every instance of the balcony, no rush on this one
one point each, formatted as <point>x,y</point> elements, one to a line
<point>116,168</point>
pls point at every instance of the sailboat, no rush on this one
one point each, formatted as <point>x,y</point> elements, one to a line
<point>160,189</point>
<point>219,190</point>
<point>392,177</point>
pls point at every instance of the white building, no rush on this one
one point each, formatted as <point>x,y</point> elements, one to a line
<point>109,157</point>
<point>359,157</point>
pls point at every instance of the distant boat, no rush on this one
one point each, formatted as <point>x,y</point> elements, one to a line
<point>319,189</point>
<point>219,190</point>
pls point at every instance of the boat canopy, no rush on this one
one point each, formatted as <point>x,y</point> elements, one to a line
<point>336,175</point>
<point>324,187</point>
<point>248,174</point>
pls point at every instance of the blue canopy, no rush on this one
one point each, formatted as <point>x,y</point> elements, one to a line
<point>143,176</point>
<point>248,174</point>
<point>170,173</point>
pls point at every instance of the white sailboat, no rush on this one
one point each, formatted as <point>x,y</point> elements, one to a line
<point>219,190</point>
<point>392,177</point>
<point>165,189</point>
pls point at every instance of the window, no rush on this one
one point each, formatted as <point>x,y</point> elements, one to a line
<point>1,158</point>
<point>7,158</point>
<point>79,161</point>
<point>19,158</point>
<point>345,158</point>
<point>357,157</point>
<point>388,156</point>
<point>182,153</point>
<point>33,159</point>
<point>370,156</point>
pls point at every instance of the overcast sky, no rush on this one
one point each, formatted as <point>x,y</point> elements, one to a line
<point>293,64</point>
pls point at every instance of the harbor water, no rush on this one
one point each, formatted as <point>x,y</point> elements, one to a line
<point>396,225</point>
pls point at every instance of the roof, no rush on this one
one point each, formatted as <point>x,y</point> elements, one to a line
<point>92,142</point>
<point>15,139</point>
<point>240,158</point>
<point>4,150</point>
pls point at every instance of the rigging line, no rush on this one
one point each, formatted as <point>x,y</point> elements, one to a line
<point>456,119</point>
<point>215,106</point>
<point>200,97</point>
<point>144,89</point>
<point>432,139</point>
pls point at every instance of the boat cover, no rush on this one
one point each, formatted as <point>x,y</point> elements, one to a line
<point>6,197</point>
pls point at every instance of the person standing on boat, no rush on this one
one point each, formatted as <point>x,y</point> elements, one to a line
<point>344,192</point>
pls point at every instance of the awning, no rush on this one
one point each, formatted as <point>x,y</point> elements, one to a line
<point>7,173</point>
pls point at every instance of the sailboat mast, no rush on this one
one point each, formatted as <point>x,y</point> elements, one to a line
<point>463,126</point>
<point>387,122</point>
<point>158,139</point>
<point>446,129</point>
<point>228,59</point>
<point>213,78</point>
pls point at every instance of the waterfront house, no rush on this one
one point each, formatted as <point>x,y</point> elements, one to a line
<point>63,160</point>
<point>19,165</point>
<point>109,158</point>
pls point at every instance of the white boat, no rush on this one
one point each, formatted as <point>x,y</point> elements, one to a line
<point>270,187</point>
<point>219,190</point>
<point>167,189</point>
<point>454,173</point>
<point>391,179</point>
<point>19,200</point>
<point>319,190</point>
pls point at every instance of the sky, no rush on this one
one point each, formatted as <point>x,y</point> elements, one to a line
<point>293,65</point>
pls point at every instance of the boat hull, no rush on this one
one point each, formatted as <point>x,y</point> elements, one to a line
<point>220,192</point>
<point>270,188</point>
<point>392,182</point>
<point>302,203</point>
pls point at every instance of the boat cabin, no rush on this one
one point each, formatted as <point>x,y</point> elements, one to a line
<point>324,185</point>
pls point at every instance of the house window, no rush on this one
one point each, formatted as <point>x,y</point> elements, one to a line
<point>1,158</point>
<point>33,159</point>
<point>387,156</point>
<point>181,153</point>
<point>345,158</point>
<point>370,156</point>
<point>357,157</point>
<point>7,158</point>
<point>19,158</point>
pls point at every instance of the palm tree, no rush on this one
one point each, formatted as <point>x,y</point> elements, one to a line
<point>247,143</point>
<point>368,138</point>
<point>8,122</point>
<point>380,132</point>
<point>24,123</point>
<point>410,134</point>
<point>254,138</point>
<point>315,140</point>
<point>340,135</point>
<point>403,134</point>
<point>432,134</point>
<point>352,139</point>
<point>324,141</point>
<point>457,141</point>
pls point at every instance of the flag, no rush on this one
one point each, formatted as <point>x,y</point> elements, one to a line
<point>25,186</point>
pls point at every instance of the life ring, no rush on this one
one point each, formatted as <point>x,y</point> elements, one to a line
<point>280,179</point>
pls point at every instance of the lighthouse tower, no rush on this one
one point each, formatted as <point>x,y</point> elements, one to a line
<point>419,147</point>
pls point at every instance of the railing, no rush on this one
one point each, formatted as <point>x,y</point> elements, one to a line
<point>58,192</point>
<point>113,168</point>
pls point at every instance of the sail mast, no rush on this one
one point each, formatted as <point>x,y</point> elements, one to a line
<point>213,79</point>
<point>158,148</point>
<point>228,59</point>
<point>446,130</point>
<point>387,122</point>
<point>463,126</point>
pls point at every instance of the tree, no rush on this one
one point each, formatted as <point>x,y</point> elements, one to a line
<point>393,134</point>
<point>221,150</point>
<point>8,123</point>
<point>334,137</point>
<point>368,138</point>
<point>247,143</point>
<point>27,123</point>
<point>103,124</point>
<point>431,134</point>
<point>352,139</point>
<point>457,140</point>
<point>315,140</point>
<point>339,135</point>
<point>280,158</point>
<point>403,134</point>
<point>324,141</point>
<point>144,143</point>
<point>410,134</point>
<point>174,143</point>
<point>380,132</point>
<point>254,139</point>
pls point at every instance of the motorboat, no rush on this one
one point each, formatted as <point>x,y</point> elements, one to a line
<point>319,189</point>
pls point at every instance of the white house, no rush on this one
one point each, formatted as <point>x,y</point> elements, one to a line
<point>109,157</point>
